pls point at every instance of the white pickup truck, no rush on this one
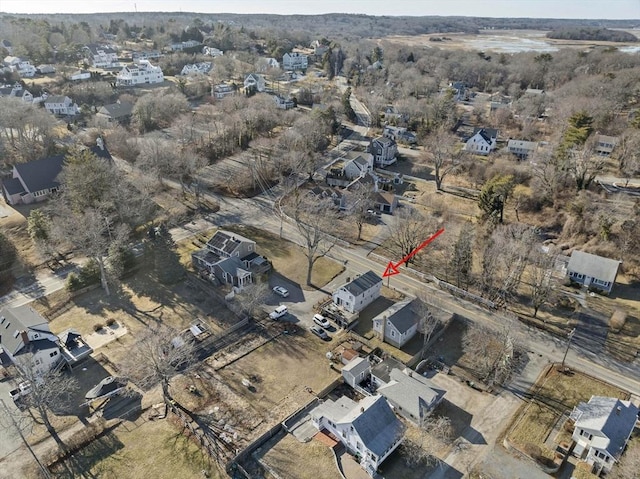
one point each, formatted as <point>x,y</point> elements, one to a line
<point>23,389</point>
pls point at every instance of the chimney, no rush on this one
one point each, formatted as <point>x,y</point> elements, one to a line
<point>618,409</point>
<point>100,143</point>
<point>25,337</point>
<point>361,409</point>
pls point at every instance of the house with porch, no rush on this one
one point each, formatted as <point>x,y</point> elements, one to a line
<point>36,180</point>
<point>139,73</point>
<point>368,428</point>
<point>397,324</point>
<point>283,103</point>
<point>255,82</point>
<point>295,61</point>
<point>25,338</point>
<point>358,293</point>
<point>222,90</point>
<point>384,151</point>
<point>593,271</point>
<point>602,428</point>
<point>61,105</point>
<point>482,142</point>
<point>230,258</point>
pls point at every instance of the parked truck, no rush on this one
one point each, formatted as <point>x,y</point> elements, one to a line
<point>23,389</point>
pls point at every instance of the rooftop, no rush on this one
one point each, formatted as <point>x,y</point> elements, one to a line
<point>363,283</point>
<point>594,266</point>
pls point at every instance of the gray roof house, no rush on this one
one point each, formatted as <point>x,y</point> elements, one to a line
<point>119,112</point>
<point>482,142</point>
<point>521,148</point>
<point>593,271</point>
<point>397,324</point>
<point>605,144</point>
<point>602,429</point>
<point>357,294</point>
<point>412,396</point>
<point>356,371</point>
<point>230,258</point>
<point>384,151</point>
<point>25,337</point>
<point>368,429</point>
<point>36,180</point>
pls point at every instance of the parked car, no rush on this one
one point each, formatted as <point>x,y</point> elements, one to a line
<point>278,312</point>
<point>318,331</point>
<point>280,291</point>
<point>321,320</point>
<point>23,389</point>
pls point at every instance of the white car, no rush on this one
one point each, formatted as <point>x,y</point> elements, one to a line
<point>321,320</point>
<point>278,312</point>
<point>280,291</point>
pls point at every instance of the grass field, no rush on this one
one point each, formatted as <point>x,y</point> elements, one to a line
<point>555,394</point>
<point>138,451</point>
<point>291,459</point>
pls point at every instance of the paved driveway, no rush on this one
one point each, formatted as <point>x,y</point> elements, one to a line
<point>9,437</point>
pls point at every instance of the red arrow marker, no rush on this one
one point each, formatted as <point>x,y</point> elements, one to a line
<point>392,269</point>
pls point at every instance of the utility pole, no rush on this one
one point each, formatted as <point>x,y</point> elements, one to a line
<point>566,351</point>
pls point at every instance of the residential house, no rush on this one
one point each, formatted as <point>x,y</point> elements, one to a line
<point>139,73</point>
<point>368,428</point>
<point>222,90</point>
<point>295,61</point>
<point>411,395</point>
<point>483,141</point>
<point>602,428</point>
<point>399,134</point>
<point>283,103</point>
<point>593,271</point>
<point>522,149</point>
<point>605,144</point>
<point>7,45</point>
<point>45,69</point>
<point>188,45</point>
<point>255,82</point>
<point>385,202</point>
<point>384,151</point>
<point>21,66</point>
<point>391,113</point>
<point>147,55</point>
<point>201,68</point>
<point>61,105</point>
<point>358,293</point>
<point>230,259</point>
<point>119,112</point>
<point>25,337</point>
<point>319,48</point>
<point>534,92</point>
<point>356,371</point>
<point>102,56</point>
<point>80,75</point>
<point>460,91</point>
<point>36,180</point>
<point>333,194</point>
<point>265,63</point>
<point>16,91</point>
<point>397,324</point>
<point>357,164</point>
<point>212,52</point>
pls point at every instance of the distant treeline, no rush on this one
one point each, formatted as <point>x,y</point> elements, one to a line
<point>592,33</point>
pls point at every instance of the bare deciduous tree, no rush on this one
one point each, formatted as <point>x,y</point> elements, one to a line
<point>583,165</point>
<point>359,203</point>
<point>540,280</point>
<point>410,228</point>
<point>427,322</point>
<point>491,352</point>
<point>445,153</point>
<point>421,448</point>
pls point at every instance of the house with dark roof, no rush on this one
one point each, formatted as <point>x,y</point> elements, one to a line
<point>482,142</point>
<point>397,324</point>
<point>74,349</point>
<point>255,82</point>
<point>335,195</point>
<point>400,134</point>
<point>358,293</point>
<point>25,338</point>
<point>602,428</point>
<point>385,202</point>
<point>384,151</point>
<point>119,112</point>
<point>102,56</point>
<point>368,429</point>
<point>230,258</point>
<point>593,271</point>
<point>36,180</point>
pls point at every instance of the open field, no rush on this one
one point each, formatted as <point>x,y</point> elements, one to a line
<point>140,450</point>
<point>555,394</point>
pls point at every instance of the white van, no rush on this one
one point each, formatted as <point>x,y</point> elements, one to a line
<point>279,312</point>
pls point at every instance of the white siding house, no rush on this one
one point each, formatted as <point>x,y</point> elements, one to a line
<point>384,151</point>
<point>61,105</point>
<point>102,56</point>
<point>358,293</point>
<point>593,271</point>
<point>295,61</point>
<point>397,324</point>
<point>482,142</point>
<point>139,74</point>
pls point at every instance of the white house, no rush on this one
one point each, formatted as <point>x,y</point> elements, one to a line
<point>593,271</point>
<point>605,144</point>
<point>180,46</point>
<point>222,90</point>
<point>255,82</point>
<point>22,67</point>
<point>384,151</point>
<point>201,68</point>
<point>521,148</point>
<point>397,324</point>
<point>212,52</point>
<point>399,134</point>
<point>102,56</point>
<point>368,429</point>
<point>283,103</point>
<point>483,141</point>
<point>295,61</point>
<point>17,91</point>
<point>263,64</point>
<point>61,105</point>
<point>359,292</point>
<point>356,371</point>
<point>45,69</point>
<point>80,75</point>
<point>357,164</point>
<point>25,337</point>
<point>139,73</point>
<point>602,429</point>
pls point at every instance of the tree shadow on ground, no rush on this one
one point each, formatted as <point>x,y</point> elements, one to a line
<point>81,462</point>
<point>460,422</point>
